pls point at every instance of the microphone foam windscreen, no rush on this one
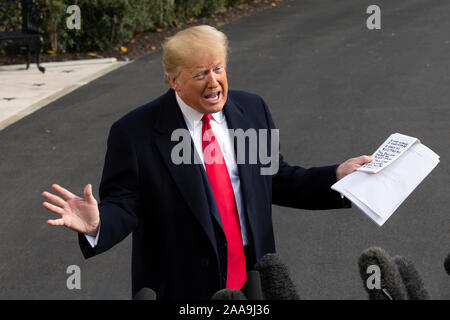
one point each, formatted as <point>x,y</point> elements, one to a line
<point>389,276</point>
<point>145,294</point>
<point>228,294</point>
<point>276,281</point>
<point>447,264</point>
<point>411,279</point>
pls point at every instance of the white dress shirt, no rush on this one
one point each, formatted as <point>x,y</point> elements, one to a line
<point>219,126</point>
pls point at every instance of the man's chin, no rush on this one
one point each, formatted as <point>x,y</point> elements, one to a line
<point>213,108</point>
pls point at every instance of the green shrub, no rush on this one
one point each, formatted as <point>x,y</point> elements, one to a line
<point>107,23</point>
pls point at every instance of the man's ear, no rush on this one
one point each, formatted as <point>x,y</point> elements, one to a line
<point>172,82</point>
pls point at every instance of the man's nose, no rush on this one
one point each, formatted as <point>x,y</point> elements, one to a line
<point>213,80</point>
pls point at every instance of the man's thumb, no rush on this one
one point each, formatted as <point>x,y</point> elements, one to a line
<point>88,193</point>
<point>365,159</point>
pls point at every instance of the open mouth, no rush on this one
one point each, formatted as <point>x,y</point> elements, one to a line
<point>212,97</point>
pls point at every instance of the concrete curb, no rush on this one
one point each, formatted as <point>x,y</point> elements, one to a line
<point>59,64</point>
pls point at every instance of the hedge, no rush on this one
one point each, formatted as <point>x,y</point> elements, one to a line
<point>107,23</point>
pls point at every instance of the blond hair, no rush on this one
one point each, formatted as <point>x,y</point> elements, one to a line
<point>185,47</point>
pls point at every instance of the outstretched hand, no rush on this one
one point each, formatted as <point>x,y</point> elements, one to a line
<point>351,165</point>
<point>76,213</point>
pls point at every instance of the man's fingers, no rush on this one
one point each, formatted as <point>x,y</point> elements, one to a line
<point>62,191</point>
<point>56,222</point>
<point>53,198</point>
<point>53,208</point>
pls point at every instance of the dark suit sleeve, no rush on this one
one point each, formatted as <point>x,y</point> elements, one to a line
<point>119,193</point>
<point>297,187</point>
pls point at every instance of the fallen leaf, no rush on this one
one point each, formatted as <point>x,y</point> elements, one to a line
<point>153,48</point>
<point>158,30</point>
<point>123,49</point>
<point>132,41</point>
<point>50,51</point>
<point>92,54</point>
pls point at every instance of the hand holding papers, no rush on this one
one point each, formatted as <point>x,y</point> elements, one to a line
<point>378,188</point>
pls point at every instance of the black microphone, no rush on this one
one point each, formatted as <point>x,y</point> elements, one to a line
<point>145,294</point>
<point>228,294</point>
<point>254,290</point>
<point>411,278</point>
<point>388,282</point>
<point>275,278</point>
<point>447,264</point>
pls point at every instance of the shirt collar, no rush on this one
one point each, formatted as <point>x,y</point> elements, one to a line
<point>193,116</point>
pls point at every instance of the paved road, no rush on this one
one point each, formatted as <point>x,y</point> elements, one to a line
<point>336,90</point>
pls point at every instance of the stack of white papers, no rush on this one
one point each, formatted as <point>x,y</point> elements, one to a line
<point>378,188</point>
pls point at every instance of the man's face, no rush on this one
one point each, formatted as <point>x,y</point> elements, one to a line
<point>203,86</point>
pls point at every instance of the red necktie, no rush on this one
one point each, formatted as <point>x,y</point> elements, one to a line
<point>220,182</point>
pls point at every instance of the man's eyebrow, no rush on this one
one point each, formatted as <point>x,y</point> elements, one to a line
<point>206,67</point>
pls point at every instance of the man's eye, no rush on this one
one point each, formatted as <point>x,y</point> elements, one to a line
<point>200,76</point>
<point>218,69</point>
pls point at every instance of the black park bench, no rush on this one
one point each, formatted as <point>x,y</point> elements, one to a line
<point>19,25</point>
